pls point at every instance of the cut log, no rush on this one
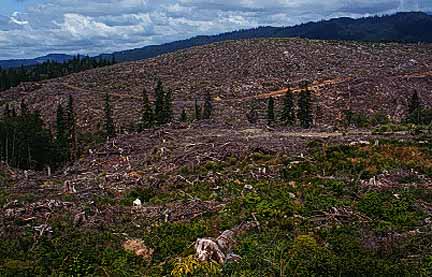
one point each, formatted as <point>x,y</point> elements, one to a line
<point>220,249</point>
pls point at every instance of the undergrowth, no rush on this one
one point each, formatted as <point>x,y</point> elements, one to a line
<point>298,236</point>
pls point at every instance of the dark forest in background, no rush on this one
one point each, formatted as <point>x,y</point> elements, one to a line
<point>47,70</point>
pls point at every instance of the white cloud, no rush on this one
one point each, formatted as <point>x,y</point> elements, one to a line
<point>92,27</point>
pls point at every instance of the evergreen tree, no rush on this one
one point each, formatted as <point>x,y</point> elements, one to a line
<point>7,111</point>
<point>270,111</point>
<point>71,129</point>
<point>49,69</point>
<point>414,103</point>
<point>61,134</point>
<point>197,109</point>
<point>167,108</point>
<point>348,114</point>
<point>305,110</point>
<point>60,125</point>
<point>147,117</point>
<point>288,112</point>
<point>25,143</point>
<point>414,109</point>
<point>109,121</point>
<point>252,115</point>
<point>159,103</point>
<point>208,107</point>
<point>24,109</point>
<point>183,116</point>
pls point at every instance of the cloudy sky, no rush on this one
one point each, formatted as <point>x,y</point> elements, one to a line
<point>31,28</point>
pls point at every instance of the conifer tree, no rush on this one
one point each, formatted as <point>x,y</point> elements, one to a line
<point>305,110</point>
<point>25,143</point>
<point>270,111</point>
<point>208,107</point>
<point>414,109</point>
<point>183,116</point>
<point>252,115</point>
<point>60,125</point>
<point>348,117</point>
<point>288,112</point>
<point>159,103</point>
<point>7,111</point>
<point>167,108</point>
<point>24,108</point>
<point>71,129</point>
<point>108,121</point>
<point>414,103</point>
<point>197,109</point>
<point>147,117</point>
<point>61,134</point>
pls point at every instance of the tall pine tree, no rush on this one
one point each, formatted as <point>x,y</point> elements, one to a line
<point>159,103</point>
<point>147,117</point>
<point>108,120</point>
<point>270,111</point>
<point>197,109</point>
<point>61,134</point>
<point>71,129</point>
<point>305,109</point>
<point>183,116</point>
<point>288,112</point>
<point>208,107</point>
<point>7,111</point>
<point>167,108</point>
<point>414,109</point>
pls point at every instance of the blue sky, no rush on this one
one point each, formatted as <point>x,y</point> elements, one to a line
<point>31,28</point>
<point>10,6</point>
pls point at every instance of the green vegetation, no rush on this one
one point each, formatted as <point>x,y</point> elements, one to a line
<point>14,76</point>
<point>270,111</point>
<point>147,118</point>
<point>197,110</point>
<point>317,218</point>
<point>208,107</point>
<point>305,108</point>
<point>288,113</point>
<point>183,116</point>
<point>25,142</point>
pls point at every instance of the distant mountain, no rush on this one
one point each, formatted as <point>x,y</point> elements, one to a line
<point>400,27</point>
<point>61,58</point>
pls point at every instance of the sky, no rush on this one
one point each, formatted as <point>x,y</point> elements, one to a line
<point>32,28</point>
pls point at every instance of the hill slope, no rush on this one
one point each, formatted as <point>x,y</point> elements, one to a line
<point>369,78</point>
<point>400,27</point>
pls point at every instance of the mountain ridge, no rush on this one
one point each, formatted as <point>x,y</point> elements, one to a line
<point>55,57</point>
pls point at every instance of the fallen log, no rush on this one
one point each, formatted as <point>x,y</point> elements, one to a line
<point>220,249</point>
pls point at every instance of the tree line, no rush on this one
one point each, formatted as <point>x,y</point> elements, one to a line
<point>47,70</point>
<point>26,143</point>
<point>418,113</point>
<point>293,112</point>
<point>160,112</point>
